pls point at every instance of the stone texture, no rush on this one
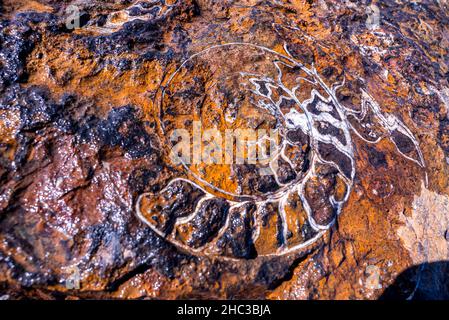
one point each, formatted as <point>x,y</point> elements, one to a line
<point>80,143</point>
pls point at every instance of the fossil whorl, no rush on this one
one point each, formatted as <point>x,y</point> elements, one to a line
<point>275,202</point>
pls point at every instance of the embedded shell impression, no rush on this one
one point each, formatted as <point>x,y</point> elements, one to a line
<point>298,164</point>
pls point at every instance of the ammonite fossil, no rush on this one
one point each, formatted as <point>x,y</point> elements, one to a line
<point>279,164</point>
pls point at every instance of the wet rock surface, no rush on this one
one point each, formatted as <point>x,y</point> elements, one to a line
<point>92,205</point>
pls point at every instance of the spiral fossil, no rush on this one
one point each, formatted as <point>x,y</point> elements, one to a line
<point>285,204</point>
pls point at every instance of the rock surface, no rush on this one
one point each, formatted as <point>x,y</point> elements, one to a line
<point>88,207</point>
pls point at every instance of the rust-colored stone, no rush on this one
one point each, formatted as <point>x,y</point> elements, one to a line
<point>93,205</point>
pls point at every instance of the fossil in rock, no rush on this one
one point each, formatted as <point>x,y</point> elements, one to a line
<point>274,202</point>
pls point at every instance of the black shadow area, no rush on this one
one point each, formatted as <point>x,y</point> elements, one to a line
<point>427,281</point>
